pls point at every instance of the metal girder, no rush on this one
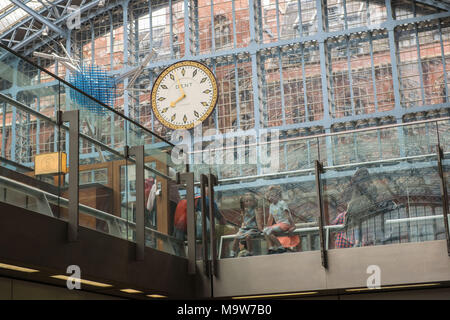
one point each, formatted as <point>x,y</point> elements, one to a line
<point>39,17</point>
<point>83,20</point>
<point>9,36</point>
<point>9,11</point>
<point>60,23</point>
<point>436,4</point>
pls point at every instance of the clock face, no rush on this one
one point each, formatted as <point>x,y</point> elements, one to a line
<point>184,95</point>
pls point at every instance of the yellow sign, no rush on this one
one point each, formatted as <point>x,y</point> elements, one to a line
<point>50,163</point>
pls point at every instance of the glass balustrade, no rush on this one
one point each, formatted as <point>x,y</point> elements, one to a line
<point>35,157</point>
<point>379,185</point>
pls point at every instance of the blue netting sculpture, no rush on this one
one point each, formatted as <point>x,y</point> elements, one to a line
<point>95,82</point>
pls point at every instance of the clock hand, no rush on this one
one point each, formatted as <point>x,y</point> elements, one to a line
<point>173,103</point>
<point>179,84</point>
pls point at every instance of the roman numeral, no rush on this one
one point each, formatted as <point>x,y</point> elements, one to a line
<point>207,91</point>
<point>164,110</point>
<point>183,72</point>
<point>205,104</point>
<point>173,117</point>
<point>196,114</point>
<point>185,119</point>
<point>171,76</point>
<point>161,99</point>
<point>203,80</point>
<point>163,86</point>
<point>194,73</point>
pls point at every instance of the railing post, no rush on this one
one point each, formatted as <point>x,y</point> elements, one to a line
<point>188,179</point>
<point>73,117</point>
<point>138,153</point>
<point>444,193</point>
<point>323,251</point>
<point>203,184</point>
<point>212,181</point>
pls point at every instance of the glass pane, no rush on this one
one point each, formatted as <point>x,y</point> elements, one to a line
<point>22,183</point>
<point>269,216</point>
<point>97,194</point>
<point>385,201</point>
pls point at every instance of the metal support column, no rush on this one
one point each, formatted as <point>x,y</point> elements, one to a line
<point>203,185</point>
<point>138,153</point>
<point>212,181</point>
<point>323,252</point>
<point>187,178</point>
<point>440,157</point>
<point>73,117</point>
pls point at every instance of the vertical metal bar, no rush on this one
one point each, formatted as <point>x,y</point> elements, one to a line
<point>13,133</point>
<point>283,104</point>
<point>196,27</point>
<point>73,117</point>
<point>323,252</point>
<point>4,131</point>
<point>394,58</point>
<point>368,13</point>
<point>444,63</point>
<point>393,48</point>
<point>172,55</point>
<point>233,10</point>
<point>350,78</point>
<point>138,153</point>
<point>126,110</point>
<point>344,5</point>
<point>236,85</point>
<point>212,181</point>
<point>256,21</point>
<point>187,31</point>
<point>326,73</point>
<point>188,179</point>
<point>324,65</point>
<point>203,184</point>
<point>91,28</point>
<point>213,33</point>
<point>150,26</point>
<point>374,76</point>
<point>277,15</point>
<point>440,156</point>
<point>419,62</point>
<point>111,42</point>
<point>300,20</point>
<point>305,95</point>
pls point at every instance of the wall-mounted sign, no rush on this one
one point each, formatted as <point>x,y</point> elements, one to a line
<point>50,163</point>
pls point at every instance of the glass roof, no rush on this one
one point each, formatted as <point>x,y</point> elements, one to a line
<point>10,14</point>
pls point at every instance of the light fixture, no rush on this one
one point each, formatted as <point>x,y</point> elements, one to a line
<point>156,296</point>
<point>83,281</point>
<point>17,268</point>
<point>130,291</point>
<point>277,295</point>
<point>394,287</point>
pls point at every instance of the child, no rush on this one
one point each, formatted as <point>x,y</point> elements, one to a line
<point>250,224</point>
<point>280,213</point>
<point>243,249</point>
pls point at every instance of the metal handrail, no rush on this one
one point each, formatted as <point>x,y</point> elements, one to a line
<point>109,218</point>
<point>295,172</point>
<point>324,135</point>
<point>84,93</point>
<point>338,227</point>
<point>39,115</point>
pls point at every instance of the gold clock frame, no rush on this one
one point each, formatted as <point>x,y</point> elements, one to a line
<point>162,75</point>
